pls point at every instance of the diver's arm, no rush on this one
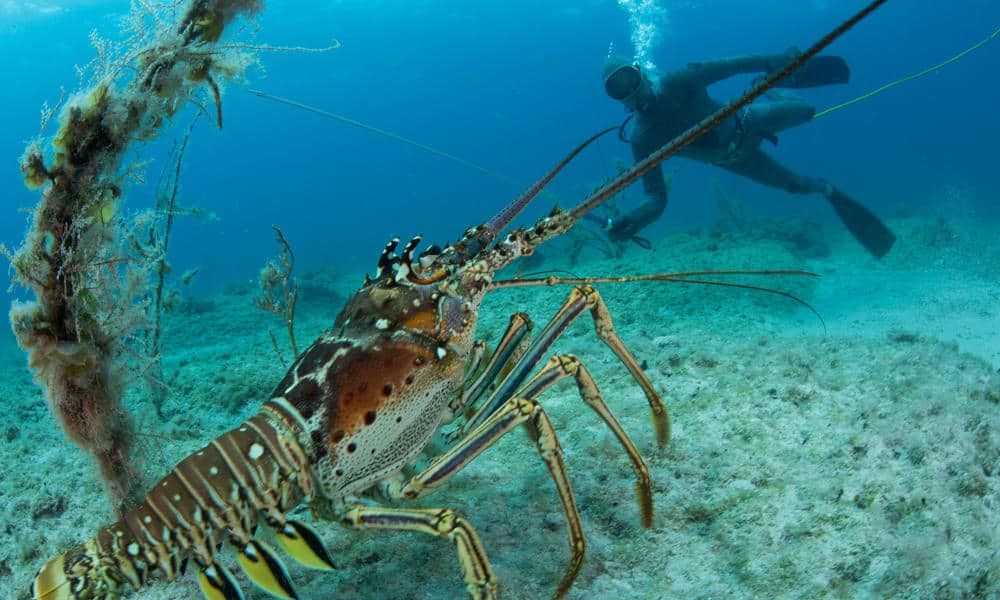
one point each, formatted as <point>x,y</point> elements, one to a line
<point>653,184</point>
<point>706,73</point>
<point>625,227</point>
<point>655,189</point>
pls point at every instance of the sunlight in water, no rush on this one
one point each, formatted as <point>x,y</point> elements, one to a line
<point>647,20</point>
<point>21,8</point>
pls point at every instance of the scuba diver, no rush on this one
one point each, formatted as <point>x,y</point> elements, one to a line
<point>665,108</point>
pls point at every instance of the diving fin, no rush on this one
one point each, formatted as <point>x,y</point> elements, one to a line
<point>818,71</point>
<point>862,223</point>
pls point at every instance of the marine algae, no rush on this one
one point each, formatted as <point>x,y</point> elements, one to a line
<point>90,295</point>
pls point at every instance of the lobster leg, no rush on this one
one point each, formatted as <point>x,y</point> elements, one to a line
<point>473,370</point>
<point>581,298</point>
<point>508,352</point>
<point>561,366</point>
<point>476,571</point>
<point>516,411</point>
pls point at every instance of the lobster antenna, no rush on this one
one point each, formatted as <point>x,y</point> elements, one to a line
<point>684,139</point>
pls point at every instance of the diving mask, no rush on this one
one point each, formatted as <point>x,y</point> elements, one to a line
<point>623,82</point>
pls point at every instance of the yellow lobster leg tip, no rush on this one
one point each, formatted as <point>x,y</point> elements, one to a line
<point>264,569</point>
<point>51,583</point>
<point>217,584</point>
<point>303,544</point>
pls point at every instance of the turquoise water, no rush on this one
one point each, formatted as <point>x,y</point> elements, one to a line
<point>852,455</point>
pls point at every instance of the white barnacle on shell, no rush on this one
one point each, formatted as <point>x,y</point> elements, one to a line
<point>382,324</point>
<point>441,352</point>
<point>256,451</point>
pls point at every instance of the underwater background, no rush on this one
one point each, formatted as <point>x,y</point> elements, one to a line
<point>855,457</point>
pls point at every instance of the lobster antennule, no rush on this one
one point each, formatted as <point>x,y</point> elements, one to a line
<point>503,218</point>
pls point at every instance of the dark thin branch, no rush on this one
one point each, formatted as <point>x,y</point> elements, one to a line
<point>166,206</point>
<point>274,275</point>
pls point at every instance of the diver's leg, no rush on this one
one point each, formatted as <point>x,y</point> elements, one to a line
<point>760,167</point>
<point>778,115</point>
<point>867,228</point>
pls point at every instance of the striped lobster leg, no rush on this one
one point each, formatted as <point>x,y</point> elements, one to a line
<point>505,356</point>
<point>256,472</point>
<point>582,298</point>
<point>480,581</point>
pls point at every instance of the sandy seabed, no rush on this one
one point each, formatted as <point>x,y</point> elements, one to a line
<point>859,458</point>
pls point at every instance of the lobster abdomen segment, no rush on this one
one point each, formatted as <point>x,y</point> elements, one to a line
<point>256,471</point>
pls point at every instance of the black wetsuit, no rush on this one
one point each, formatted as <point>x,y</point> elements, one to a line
<point>680,100</point>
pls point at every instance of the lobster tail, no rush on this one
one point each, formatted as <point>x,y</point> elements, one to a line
<point>99,568</point>
<point>256,472</point>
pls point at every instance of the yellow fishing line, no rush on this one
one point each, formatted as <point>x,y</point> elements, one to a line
<point>893,84</point>
<point>390,135</point>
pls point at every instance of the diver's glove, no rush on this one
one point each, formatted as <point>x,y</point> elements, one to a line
<point>623,228</point>
<point>603,222</point>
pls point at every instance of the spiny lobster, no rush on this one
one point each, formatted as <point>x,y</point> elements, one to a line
<point>363,402</point>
